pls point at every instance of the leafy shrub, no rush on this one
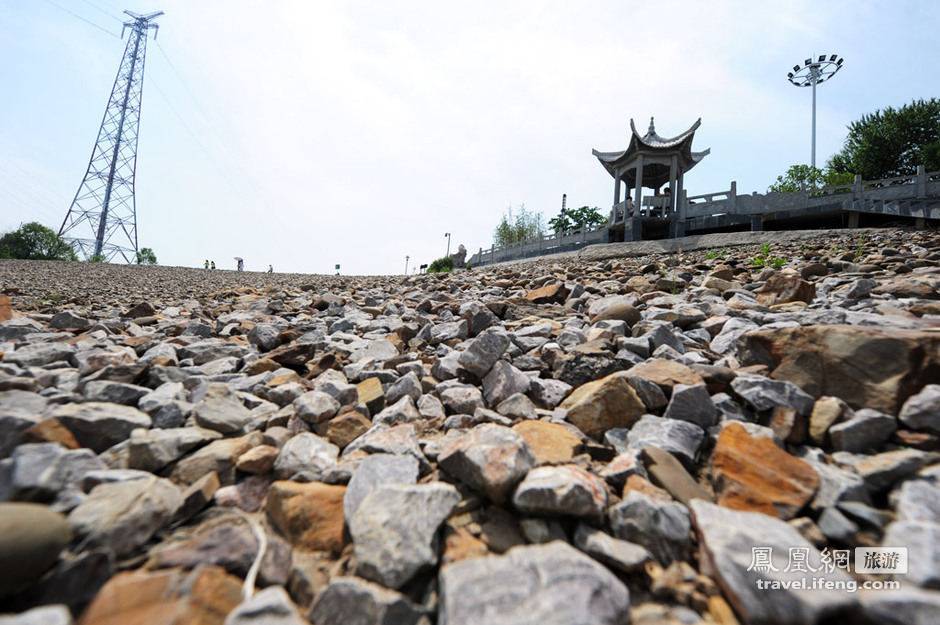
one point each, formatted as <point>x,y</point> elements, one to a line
<point>441,265</point>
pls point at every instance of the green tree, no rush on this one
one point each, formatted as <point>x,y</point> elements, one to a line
<point>810,177</point>
<point>891,142</point>
<point>514,229</point>
<point>146,257</point>
<point>576,219</point>
<point>34,241</point>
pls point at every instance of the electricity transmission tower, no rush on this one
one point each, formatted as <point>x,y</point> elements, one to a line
<point>102,221</point>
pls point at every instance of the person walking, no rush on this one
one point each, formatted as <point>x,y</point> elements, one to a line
<point>207,264</point>
<point>270,269</point>
<point>213,264</point>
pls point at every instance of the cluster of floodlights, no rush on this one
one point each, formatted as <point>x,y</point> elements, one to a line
<point>815,72</point>
<point>811,74</point>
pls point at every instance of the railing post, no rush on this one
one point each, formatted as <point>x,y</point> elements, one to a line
<point>859,187</point>
<point>732,197</point>
<point>921,181</point>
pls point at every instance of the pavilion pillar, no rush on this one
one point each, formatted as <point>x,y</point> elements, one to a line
<point>617,189</point>
<point>673,191</point>
<point>639,183</point>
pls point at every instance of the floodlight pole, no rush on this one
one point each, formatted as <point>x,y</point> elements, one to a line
<point>447,234</point>
<point>811,74</point>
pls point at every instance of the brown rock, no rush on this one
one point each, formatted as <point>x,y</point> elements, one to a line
<point>826,412</point>
<point>50,431</point>
<point>261,365</point>
<point>920,287</point>
<point>6,308</point>
<point>284,378</point>
<point>549,294</point>
<point>754,474</point>
<point>247,494</point>
<point>309,515</point>
<point>198,496</point>
<point>203,596</point>
<point>552,443</point>
<point>813,269</point>
<point>788,424</point>
<point>257,460</point>
<point>868,367</point>
<point>604,404</point>
<point>346,427</point>
<point>785,288</point>
<point>666,373</point>
<point>294,355</point>
<point>460,544</point>
<point>143,309</point>
<point>371,394</point>
<point>623,312</point>
<point>666,471</point>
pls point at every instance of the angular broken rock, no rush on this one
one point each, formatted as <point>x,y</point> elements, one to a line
<point>354,600</point>
<point>748,554</point>
<point>754,474</point>
<point>309,515</point>
<point>604,404</point>
<point>490,458</point>
<point>662,527</point>
<point>124,515</point>
<point>221,410</point>
<point>561,490</point>
<point>376,470</point>
<point>394,530</point>
<point>551,584</point>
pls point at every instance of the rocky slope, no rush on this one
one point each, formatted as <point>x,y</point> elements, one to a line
<point>697,436</point>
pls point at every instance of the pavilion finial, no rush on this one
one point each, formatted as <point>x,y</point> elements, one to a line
<point>652,129</point>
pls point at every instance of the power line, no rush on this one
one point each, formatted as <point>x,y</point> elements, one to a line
<point>76,15</point>
<point>103,11</point>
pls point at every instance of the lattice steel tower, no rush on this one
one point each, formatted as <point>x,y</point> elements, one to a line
<point>102,220</point>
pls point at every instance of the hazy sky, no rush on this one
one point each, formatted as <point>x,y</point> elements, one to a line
<point>309,133</point>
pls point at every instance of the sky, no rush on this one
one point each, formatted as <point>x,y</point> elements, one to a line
<point>307,134</point>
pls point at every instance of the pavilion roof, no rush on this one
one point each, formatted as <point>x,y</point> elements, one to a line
<point>654,145</point>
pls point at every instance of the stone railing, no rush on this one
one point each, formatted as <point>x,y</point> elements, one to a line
<point>539,246</point>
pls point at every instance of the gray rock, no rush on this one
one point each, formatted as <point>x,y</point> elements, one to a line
<point>15,329</point>
<point>381,350</point>
<point>404,411</point>
<point>649,392</point>
<point>445,367</point>
<point>765,394</point>
<point>39,354</point>
<point>271,606</point>
<point>221,410</point>
<point>490,458</point>
<point>680,438</point>
<point>907,606</point>
<point>152,450</point>
<point>157,398</point>
<point>692,404</point>
<point>42,470</point>
<point>163,351</point>
<point>551,584</point>
<point>114,392</point>
<point>19,411</point>
<point>394,530</point>
<point>123,516</point>
<point>548,393</point>
<point>31,538</point>
<point>482,353</point>
<point>917,500</point>
<point>306,454</point>
<point>923,547</point>
<point>662,527</point>
<point>202,352</point>
<point>882,470</point>
<point>67,320</point>
<point>502,381</point>
<point>316,407</point>
<point>727,542</point>
<point>837,485</point>
<point>517,406</point>
<point>461,399</point>
<point>561,490</point>
<point>835,526</point>
<point>728,409</point>
<point>619,554</point>
<point>868,430</point>
<point>443,332</point>
<point>396,440</point>
<point>725,341</point>
<point>409,385</point>
<point>430,407</point>
<point>922,411</point>
<point>351,600</point>
<point>264,336</point>
<point>99,425</point>
<point>376,470</point>
<point>665,335</point>
<point>43,615</point>
<point>335,384</point>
